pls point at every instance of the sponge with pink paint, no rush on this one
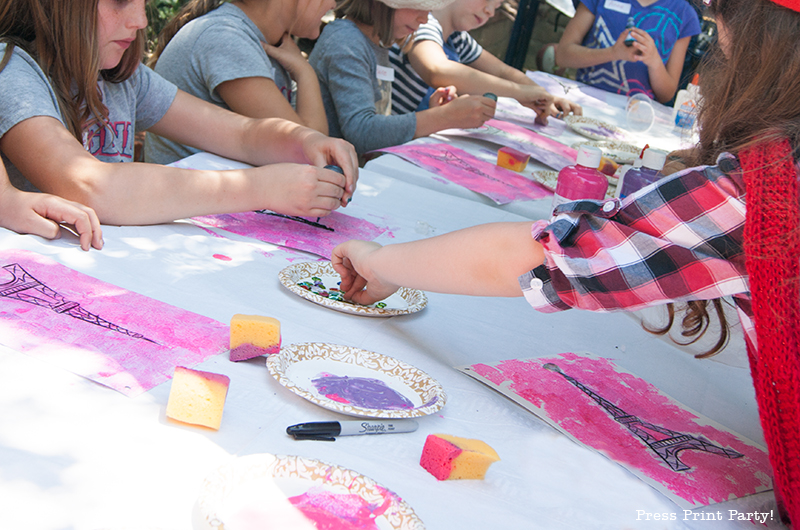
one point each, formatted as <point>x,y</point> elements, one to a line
<point>197,397</point>
<point>448,457</point>
<point>254,335</point>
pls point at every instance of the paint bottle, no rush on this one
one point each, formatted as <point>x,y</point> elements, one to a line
<point>629,40</point>
<point>684,112</point>
<point>583,180</point>
<point>637,178</point>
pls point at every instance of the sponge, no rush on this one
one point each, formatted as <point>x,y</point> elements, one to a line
<point>448,457</point>
<point>197,397</point>
<point>254,335</point>
<point>512,159</point>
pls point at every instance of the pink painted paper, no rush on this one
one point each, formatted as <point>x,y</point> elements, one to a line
<point>293,232</point>
<point>138,349</point>
<point>456,165</point>
<point>544,149</point>
<point>711,478</point>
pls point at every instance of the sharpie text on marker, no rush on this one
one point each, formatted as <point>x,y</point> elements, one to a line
<point>329,430</point>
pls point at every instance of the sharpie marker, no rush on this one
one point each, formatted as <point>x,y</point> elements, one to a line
<point>329,430</point>
<point>335,168</point>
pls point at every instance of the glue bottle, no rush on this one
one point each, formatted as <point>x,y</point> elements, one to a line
<point>637,178</point>
<point>583,180</point>
<point>629,40</point>
<point>684,111</point>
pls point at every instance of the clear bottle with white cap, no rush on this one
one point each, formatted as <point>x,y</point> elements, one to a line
<point>637,178</point>
<point>583,180</point>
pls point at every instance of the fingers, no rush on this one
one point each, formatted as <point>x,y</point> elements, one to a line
<point>82,218</point>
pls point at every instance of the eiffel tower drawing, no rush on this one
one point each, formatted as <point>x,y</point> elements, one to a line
<point>26,288</point>
<point>667,446</point>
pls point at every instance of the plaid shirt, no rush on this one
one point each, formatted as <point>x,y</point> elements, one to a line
<point>677,240</point>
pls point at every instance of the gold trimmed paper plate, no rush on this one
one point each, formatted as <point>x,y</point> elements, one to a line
<point>356,382</point>
<point>264,490</point>
<point>619,152</point>
<point>595,129</point>
<point>318,282</point>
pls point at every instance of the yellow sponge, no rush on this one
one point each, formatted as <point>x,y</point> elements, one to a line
<point>254,335</point>
<point>197,397</point>
<point>512,159</point>
<point>448,457</point>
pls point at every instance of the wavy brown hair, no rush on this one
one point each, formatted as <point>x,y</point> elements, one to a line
<point>190,11</point>
<point>62,36</point>
<point>372,13</point>
<point>751,93</point>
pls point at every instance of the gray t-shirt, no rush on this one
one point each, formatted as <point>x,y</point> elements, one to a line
<point>220,46</point>
<point>137,103</point>
<point>355,78</point>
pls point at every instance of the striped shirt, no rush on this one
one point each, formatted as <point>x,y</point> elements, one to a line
<point>408,88</point>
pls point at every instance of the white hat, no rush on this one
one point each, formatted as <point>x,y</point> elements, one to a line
<point>426,5</point>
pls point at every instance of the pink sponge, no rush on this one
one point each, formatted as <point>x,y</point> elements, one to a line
<point>449,457</point>
<point>512,159</point>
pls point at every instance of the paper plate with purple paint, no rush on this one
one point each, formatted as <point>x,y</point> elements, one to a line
<point>317,282</point>
<point>595,129</point>
<point>356,382</point>
<point>268,491</point>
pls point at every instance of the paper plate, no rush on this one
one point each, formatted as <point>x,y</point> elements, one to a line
<point>258,491</point>
<point>356,382</point>
<point>619,152</point>
<point>596,129</point>
<point>317,282</point>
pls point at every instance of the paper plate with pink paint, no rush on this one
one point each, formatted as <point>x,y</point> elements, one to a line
<point>595,129</point>
<point>356,382</point>
<point>317,282</point>
<point>269,491</point>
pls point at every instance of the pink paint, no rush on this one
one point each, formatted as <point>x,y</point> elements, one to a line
<point>583,180</point>
<point>222,257</point>
<point>544,149</point>
<point>139,348</point>
<point>712,478</point>
<point>499,184</point>
<point>338,511</point>
<point>296,234</point>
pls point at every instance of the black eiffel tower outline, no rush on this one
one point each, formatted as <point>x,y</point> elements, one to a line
<point>25,288</point>
<point>448,157</point>
<point>303,220</point>
<point>666,448</point>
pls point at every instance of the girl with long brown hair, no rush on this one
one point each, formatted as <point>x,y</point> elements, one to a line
<point>241,55</point>
<point>74,96</point>
<point>728,227</point>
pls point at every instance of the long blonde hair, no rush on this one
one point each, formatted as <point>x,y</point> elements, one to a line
<point>62,36</point>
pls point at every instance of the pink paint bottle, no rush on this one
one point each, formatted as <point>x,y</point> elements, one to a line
<point>583,180</point>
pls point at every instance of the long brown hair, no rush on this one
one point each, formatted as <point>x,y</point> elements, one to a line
<point>372,13</point>
<point>750,94</point>
<point>62,37</point>
<point>190,11</point>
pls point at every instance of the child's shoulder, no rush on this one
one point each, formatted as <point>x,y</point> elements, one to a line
<point>340,38</point>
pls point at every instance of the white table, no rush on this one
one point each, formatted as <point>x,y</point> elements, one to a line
<point>76,455</point>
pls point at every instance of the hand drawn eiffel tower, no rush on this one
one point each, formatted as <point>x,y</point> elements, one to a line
<point>26,288</point>
<point>666,447</point>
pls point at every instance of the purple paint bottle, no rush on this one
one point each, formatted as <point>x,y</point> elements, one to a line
<point>583,180</point>
<point>637,178</point>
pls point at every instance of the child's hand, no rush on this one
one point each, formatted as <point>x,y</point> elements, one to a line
<point>565,107</point>
<point>40,213</point>
<point>359,284</point>
<point>301,189</point>
<point>288,54</point>
<point>442,96</point>
<point>469,112</point>
<point>627,53</point>
<point>539,100</point>
<point>645,47</point>
<point>322,150</point>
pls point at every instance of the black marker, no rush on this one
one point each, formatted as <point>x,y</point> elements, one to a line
<point>329,430</point>
<point>337,169</point>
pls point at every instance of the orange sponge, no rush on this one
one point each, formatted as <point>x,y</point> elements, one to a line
<point>197,397</point>
<point>448,457</point>
<point>254,335</point>
<point>512,159</point>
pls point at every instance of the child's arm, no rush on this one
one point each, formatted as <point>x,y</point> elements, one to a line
<point>259,97</point>
<point>664,79</point>
<point>483,260</point>
<point>40,213</point>
<point>571,53</point>
<point>464,112</point>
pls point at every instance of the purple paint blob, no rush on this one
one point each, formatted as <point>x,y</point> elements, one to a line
<point>360,391</point>
<point>337,511</point>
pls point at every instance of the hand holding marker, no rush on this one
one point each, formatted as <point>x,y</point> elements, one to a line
<point>338,170</point>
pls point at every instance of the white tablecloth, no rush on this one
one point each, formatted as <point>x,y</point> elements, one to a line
<point>76,455</point>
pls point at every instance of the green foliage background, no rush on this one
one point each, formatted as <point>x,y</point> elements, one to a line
<point>158,13</point>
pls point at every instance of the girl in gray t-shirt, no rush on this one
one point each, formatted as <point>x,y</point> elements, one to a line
<point>241,56</point>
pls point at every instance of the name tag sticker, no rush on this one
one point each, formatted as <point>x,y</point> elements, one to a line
<point>619,7</point>
<point>385,73</point>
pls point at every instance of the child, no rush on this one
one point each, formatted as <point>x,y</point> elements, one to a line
<point>82,97</point>
<point>443,53</point>
<point>236,56</point>
<point>40,214</point>
<point>352,63</point>
<point>729,228</point>
<point>594,42</point>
